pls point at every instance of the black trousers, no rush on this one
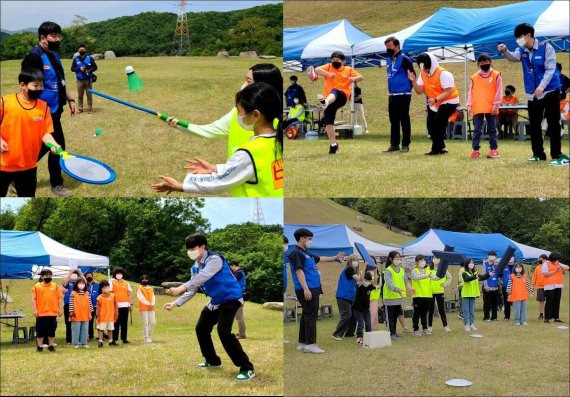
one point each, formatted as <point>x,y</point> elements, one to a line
<point>421,309</point>
<point>224,317</point>
<point>121,324</point>
<point>437,125</point>
<point>351,329</point>
<point>399,113</point>
<point>506,304</point>
<point>308,322</point>
<point>55,178</point>
<point>24,181</point>
<point>440,308</point>
<point>490,304</point>
<point>552,304</point>
<point>67,323</point>
<point>91,322</point>
<point>548,108</point>
<point>393,313</point>
<point>346,313</point>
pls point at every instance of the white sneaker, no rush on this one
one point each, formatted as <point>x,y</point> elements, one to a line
<point>467,328</point>
<point>525,323</point>
<point>313,348</point>
<point>301,347</point>
<point>148,340</point>
<point>76,347</point>
<point>517,323</point>
<point>430,329</point>
<point>473,328</point>
<point>336,337</point>
<point>447,329</point>
<point>61,191</point>
<point>86,346</point>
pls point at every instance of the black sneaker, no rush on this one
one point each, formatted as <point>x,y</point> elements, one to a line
<point>39,349</point>
<point>51,348</point>
<point>432,153</point>
<point>333,149</point>
<point>393,149</point>
<point>547,321</point>
<point>405,149</point>
<point>541,316</point>
<point>100,344</point>
<point>558,321</point>
<point>125,342</point>
<point>113,343</point>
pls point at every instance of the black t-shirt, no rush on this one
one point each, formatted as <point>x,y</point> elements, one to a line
<point>362,300</point>
<point>298,260</point>
<point>357,93</point>
<point>349,272</point>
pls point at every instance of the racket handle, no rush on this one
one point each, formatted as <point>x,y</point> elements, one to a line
<point>57,150</point>
<point>180,122</point>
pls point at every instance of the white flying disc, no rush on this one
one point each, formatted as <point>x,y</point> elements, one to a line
<point>476,336</point>
<point>458,382</point>
<point>562,327</point>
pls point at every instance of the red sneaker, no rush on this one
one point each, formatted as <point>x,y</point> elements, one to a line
<point>474,154</point>
<point>493,154</point>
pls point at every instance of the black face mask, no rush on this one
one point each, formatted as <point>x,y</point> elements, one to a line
<point>47,280</point>
<point>390,52</point>
<point>144,282</point>
<point>34,94</point>
<point>82,53</point>
<point>507,93</point>
<point>89,279</point>
<point>485,68</point>
<point>53,45</point>
<point>337,65</point>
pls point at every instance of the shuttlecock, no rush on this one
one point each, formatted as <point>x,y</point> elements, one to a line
<point>135,83</point>
<point>98,131</point>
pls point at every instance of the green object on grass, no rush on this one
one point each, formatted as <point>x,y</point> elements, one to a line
<point>135,83</point>
<point>98,131</point>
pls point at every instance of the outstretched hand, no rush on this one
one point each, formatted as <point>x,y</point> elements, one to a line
<point>199,166</point>
<point>167,185</point>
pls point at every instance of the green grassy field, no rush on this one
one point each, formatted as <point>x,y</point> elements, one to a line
<point>165,367</point>
<point>360,169</point>
<point>508,360</point>
<point>135,144</point>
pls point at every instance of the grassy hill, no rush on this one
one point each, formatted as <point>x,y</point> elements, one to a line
<point>323,211</point>
<point>165,367</point>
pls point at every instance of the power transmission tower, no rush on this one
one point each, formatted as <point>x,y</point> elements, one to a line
<point>181,34</point>
<point>258,212</point>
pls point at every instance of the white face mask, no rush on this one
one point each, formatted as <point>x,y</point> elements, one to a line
<point>247,127</point>
<point>421,66</point>
<point>422,264</point>
<point>245,84</point>
<point>308,243</point>
<point>193,254</point>
<point>397,261</point>
<point>296,101</point>
<point>355,264</point>
<point>521,41</point>
<point>73,277</point>
<point>81,286</point>
<point>518,270</point>
<point>366,283</point>
<point>285,247</point>
<point>492,258</point>
<point>119,276</point>
<point>471,266</point>
<point>436,261</point>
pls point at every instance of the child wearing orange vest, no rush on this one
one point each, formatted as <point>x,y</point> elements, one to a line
<point>553,272</point>
<point>107,312</point>
<point>25,125</point>
<point>508,118</point>
<point>80,309</point>
<point>483,103</point>
<point>518,291</point>
<point>46,297</point>
<point>147,300</point>
<point>122,290</point>
<point>442,98</point>
<point>537,283</point>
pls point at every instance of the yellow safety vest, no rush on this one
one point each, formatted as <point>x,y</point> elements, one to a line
<point>398,280</point>
<point>470,289</point>
<point>294,109</point>
<point>422,287</point>
<point>461,270</point>
<point>237,136</point>
<point>437,285</point>
<point>267,160</point>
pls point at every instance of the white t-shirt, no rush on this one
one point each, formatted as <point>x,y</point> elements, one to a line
<point>549,287</point>
<point>447,81</point>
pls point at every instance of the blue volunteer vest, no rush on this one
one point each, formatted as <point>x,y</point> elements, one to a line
<point>310,269</point>
<point>533,70</point>
<point>346,288</point>
<point>506,275</point>
<point>223,286</point>
<point>398,81</point>
<point>51,92</point>
<point>67,295</point>
<point>492,282</point>
<point>93,293</point>
<point>242,280</point>
<point>284,272</point>
<point>82,63</point>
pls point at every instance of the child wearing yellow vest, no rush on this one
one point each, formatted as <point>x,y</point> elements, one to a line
<point>483,104</point>
<point>519,290</point>
<point>80,309</point>
<point>553,273</point>
<point>147,300</point>
<point>469,292</point>
<point>438,295</point>
<point>256,168</point>
<point>107,312</point>
<point>421,276</point>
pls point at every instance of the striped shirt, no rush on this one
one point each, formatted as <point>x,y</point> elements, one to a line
<point>72,303</point>
<point>510,285</point>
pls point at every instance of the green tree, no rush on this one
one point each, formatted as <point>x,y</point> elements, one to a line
<point>7,219</point>
<point>250,34</point>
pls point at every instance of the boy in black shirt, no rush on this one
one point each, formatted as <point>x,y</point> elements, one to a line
<point>362,306</point>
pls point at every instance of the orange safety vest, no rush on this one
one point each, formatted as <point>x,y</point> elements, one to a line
<point>432,86</point>
<point>537,277</point>
<point>556,278</point>
<point>106,306</point>
<point>121,290</point>
<point>148,294</point>
<point>483,92</point>
<point>80,307</point>
<point>518,289</point>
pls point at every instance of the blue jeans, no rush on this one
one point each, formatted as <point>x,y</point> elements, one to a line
<point>491,130</point>
<point>519,308</point>
<point>79,331</point>
<point>362,320</point>
<point>468,309</point>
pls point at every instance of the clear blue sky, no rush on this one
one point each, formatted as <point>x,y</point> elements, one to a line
<point>17,15</point>
<point>219,211</point>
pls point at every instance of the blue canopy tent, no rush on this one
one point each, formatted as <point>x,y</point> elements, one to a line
<point>472,245</point>
<point>25,254</point>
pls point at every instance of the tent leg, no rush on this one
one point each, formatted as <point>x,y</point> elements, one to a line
<point>465,82</point>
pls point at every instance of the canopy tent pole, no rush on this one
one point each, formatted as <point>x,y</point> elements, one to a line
<point>465,85</point>
<point>352,113</point>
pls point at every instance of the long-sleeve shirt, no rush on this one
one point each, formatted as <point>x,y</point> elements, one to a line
<point>390,283</point>
<point>498,93</point>
<point>122,304</point>
<point>142,299</point>
<point>510,285</point>
<point>485,284</point>
<point>467,276</point>
<point>549,64</point>
<point>212,265</point>
<point>549,287</point>
<point>72,302</point>
<point>419,276</point>
<point>218,128</point>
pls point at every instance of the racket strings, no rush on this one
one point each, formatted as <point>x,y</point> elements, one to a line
<point>86,169</point>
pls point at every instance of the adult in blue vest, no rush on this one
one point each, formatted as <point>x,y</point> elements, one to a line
<point>226,297</point>
<point>93,289</point>
<point>345,294</point>
<point>490,288</point>
<point>239,274</point>
<point>285,248</point>
<point>56,94</point>
<point>294,91</point>
<point>84,66</point>
<point>399,95</point>
<point>542,87</point>
<point>307,281</point>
